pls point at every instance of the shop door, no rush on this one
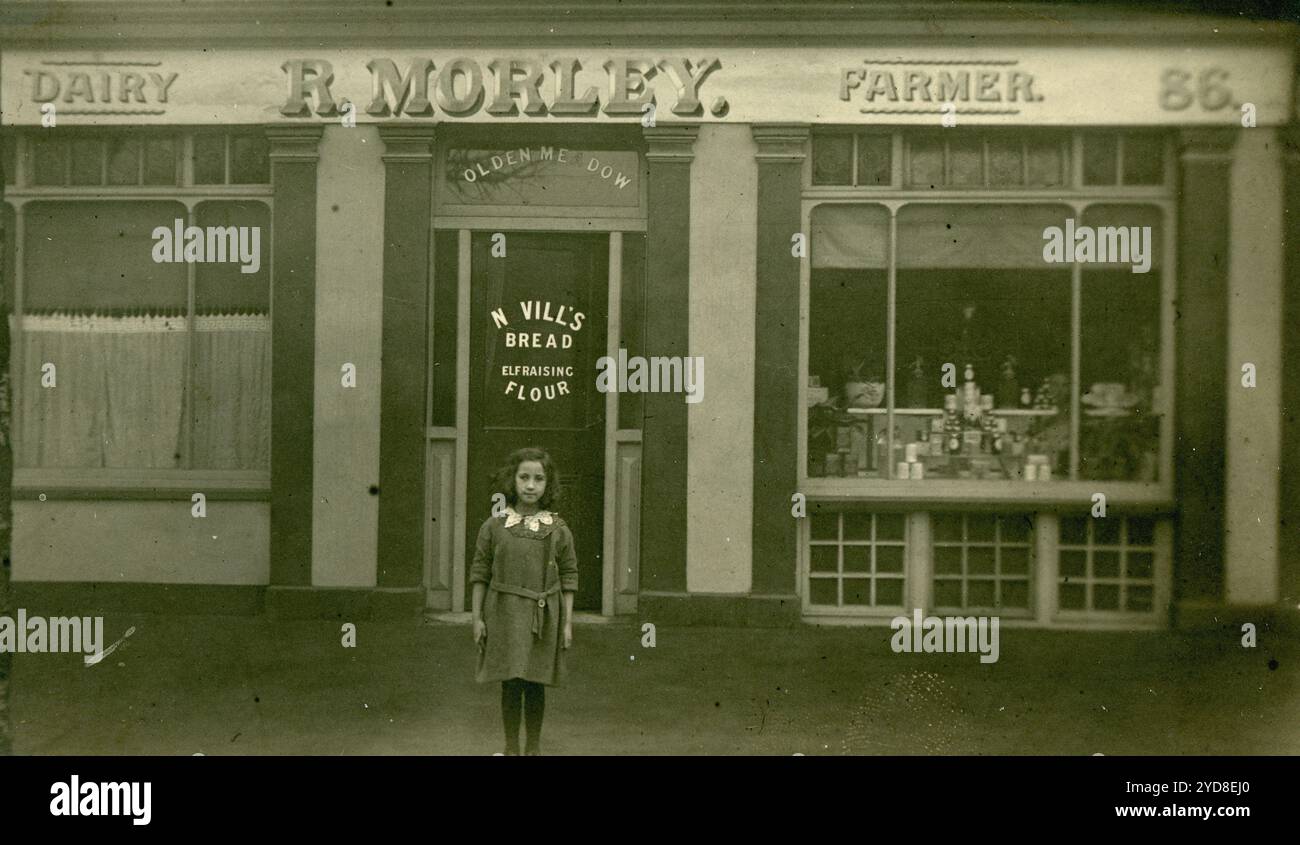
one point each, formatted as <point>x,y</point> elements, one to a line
<point>537,328</point>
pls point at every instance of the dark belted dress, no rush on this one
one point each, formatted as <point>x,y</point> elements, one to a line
<point>526,567</point>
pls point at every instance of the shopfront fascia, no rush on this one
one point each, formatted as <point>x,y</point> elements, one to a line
<point>427,253</point>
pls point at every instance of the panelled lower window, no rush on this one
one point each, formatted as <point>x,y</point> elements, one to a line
<point>982,561</point>
<point>1107,564</point>
<point>857,559</point>
<point>125,361</point>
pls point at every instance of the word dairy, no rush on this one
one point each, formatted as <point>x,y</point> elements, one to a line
<point>953,634</point>
<point>216,244</point>
<point>37,635</point>
<point>1102,245</point>
<point>102,799</point>
<point>656,375</point>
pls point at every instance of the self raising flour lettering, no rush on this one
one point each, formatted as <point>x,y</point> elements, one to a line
<point>952,634</point>
<point>214,245</point>
<point>654,375</point>
<point>559,325</point>
<point>1102,245</point>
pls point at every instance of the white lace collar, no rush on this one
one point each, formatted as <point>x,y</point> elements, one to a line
<point>532,521</point>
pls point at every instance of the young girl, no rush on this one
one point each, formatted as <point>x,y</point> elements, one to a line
<point>524,573</point>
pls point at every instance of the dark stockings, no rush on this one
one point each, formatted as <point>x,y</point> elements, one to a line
<point>519,695</point>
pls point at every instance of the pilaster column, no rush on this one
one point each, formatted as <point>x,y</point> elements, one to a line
<point>776,357</point>
<point>670,151</point>
<point>408,209</point>
<point>1201,341</point>
<point>293,155</point>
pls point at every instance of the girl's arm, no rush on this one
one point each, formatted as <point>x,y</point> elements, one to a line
<point>476,600</point>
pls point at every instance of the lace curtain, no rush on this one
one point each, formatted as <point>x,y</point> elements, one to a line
<point>118,398</point>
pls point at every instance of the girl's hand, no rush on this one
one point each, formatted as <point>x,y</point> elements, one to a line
<point>568,634</point>
<point>480,632</point>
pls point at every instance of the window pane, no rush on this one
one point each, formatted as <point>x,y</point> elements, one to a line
<point>209,159</point>
<point>123,160</point>
<point>118,341</point>
<point>160,161</point>
<point>1144,159</point>
<point>965,161</point>
<point>1006,163</point>
<point>875,160</point>
<point>925,162</point>
<point>846,355</point>
<point>50,160</point>
<point>99,255</point>
<point>249,160</point>
<point>8,155</point>
<point>231,407</point>
<point>87,161</point>
<point>832,159</point>
<point>973,290</point>
<point>1099,157</point>
<point>1119,435</point>
<point>237,239</point>
<point>1045,164</point>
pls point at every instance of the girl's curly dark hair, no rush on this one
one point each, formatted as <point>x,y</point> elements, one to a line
<point>505,476</point>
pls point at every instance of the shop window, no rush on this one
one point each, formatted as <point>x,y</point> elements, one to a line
<point>848,309</point>
<point>861,158</point>
<point>1120,396</point>
<point>230,158</point>
<point>982,561</point>
<point>140,381</point>
<point>1129,158</point>
<point>1107,564</point>
<point>857,559</point>
<point>111,322</point>
<point>114,159</point>
<point>976,301</point>
<point>230,407</point>
<point>964,158</point>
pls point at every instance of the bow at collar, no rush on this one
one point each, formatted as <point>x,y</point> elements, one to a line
<point>533,521</point>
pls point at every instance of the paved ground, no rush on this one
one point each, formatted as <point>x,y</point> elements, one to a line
<point>240,685</point>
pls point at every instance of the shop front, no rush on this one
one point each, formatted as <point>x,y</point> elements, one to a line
<point>978,338</point>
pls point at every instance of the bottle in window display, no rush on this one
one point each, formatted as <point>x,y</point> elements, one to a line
<point>970,396</point>
<point>1008,391</point>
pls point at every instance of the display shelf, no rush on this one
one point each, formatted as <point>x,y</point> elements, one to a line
<point>935,412</point>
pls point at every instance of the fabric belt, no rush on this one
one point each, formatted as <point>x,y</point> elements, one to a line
<point>539,611</point>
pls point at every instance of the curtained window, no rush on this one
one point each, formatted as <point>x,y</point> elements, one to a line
<point>117,371</point>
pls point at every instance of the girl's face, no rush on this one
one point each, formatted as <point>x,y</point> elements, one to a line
<point>530,483</point>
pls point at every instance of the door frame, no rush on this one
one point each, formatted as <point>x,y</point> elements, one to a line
<point>613,228</point>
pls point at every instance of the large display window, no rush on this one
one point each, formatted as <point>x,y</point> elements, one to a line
<point>133,363</point>
<point>1019,335</point>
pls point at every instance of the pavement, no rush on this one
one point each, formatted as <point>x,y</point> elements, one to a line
<point>181,685</point>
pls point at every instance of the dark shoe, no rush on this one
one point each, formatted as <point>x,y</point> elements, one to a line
<point>533,752</point>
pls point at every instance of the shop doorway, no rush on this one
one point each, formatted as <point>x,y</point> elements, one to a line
<point>537,327</point>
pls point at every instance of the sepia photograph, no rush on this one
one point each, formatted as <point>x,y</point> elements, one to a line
<point>595,378</point>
